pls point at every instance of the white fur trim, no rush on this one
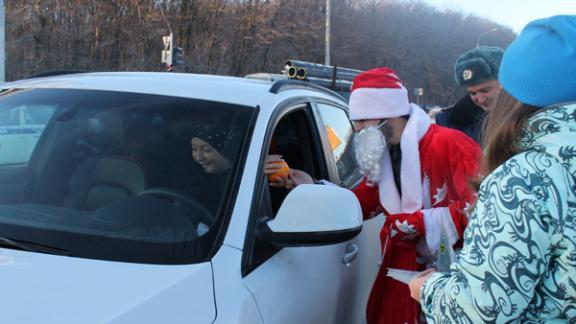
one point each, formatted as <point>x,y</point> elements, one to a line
<point>378,103</point>
<point>427,203</point>
<point>410,171</point>
<point>389,196</point>
<point>411,199</point>
<point>434,220</point>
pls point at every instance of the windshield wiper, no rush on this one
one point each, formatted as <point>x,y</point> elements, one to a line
<point>30,247</point>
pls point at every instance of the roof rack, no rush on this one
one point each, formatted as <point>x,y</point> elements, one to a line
<point>55,73</point>
<point>332,77</point>
<point>302,70</point>
<point>290,84</point>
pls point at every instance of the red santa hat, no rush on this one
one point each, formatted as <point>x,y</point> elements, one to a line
<point>377,94</point>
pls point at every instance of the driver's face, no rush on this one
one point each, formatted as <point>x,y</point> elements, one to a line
<point>208,157</point>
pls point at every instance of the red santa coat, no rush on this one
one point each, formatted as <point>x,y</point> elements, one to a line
<point>448,160</point>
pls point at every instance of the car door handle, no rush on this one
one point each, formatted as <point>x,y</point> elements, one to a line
<point>351,254</point>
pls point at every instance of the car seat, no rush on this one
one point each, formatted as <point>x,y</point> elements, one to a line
<point>97,182</point>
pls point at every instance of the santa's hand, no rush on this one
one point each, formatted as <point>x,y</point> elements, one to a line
<point>405,228</point>
<point>298,177</point>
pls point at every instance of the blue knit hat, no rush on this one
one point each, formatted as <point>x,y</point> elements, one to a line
<point>539,67</point>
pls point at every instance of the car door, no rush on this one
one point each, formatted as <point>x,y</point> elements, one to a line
<point>296,284</point>
<point>12,140</point>
<point>337,131</point>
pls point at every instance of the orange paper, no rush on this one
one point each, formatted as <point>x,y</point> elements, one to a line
<point>333,138</point>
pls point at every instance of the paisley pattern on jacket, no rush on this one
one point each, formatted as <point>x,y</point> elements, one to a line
<point>518,263</point>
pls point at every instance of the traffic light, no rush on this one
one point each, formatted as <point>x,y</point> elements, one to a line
<point>167,51</point>
<point>177,56</point>
<point>171,55</point>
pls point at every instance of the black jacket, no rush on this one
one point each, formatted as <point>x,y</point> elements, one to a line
<point>464,116</point>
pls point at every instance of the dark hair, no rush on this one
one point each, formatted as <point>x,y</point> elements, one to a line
<point>502,130</point>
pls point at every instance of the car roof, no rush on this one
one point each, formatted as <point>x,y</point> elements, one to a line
<point>241,91</point>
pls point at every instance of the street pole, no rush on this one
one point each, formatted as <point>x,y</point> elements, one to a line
<point>169,65</point>
<point>327,54</point>
<point>2,41</point>
<point>484,33</point>
<point>418,92</point>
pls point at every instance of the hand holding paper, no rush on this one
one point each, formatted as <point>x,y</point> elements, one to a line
<point>417,282</point>
<point>402,275</point>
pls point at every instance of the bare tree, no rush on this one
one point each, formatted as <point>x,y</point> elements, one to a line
<point>237,37</point>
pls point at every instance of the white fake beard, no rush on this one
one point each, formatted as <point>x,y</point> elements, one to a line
<point>369,145</point>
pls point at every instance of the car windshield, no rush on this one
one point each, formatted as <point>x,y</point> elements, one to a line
<point>117,176</point>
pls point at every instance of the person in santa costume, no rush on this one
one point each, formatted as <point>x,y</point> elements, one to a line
<point>415,172</point>
<point>418,174</point>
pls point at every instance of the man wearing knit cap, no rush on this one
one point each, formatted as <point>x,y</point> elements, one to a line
<point>477,71</point>
<point>417,173</point>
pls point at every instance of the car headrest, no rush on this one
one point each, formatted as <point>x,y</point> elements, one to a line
<point>113,179</point>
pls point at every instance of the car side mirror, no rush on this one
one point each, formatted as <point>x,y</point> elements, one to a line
<point>315,215</point>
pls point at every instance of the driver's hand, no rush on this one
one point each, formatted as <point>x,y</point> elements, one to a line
<point>272,166</point>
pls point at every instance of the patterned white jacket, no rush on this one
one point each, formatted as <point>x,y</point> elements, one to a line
<point>518,263</point>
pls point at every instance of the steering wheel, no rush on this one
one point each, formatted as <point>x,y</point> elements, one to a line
<point>200,212</point>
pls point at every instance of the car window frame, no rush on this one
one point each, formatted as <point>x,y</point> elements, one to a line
<point>333,169</point>
<point>248,263</point>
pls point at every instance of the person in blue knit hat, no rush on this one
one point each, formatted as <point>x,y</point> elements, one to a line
<point>519,255</point>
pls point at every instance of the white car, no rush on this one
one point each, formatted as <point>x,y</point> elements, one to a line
<point>106,217</point>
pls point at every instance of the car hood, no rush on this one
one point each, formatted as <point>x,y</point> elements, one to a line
<point>42,288</point>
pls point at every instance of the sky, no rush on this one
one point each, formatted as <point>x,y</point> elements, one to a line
<point>513,13</point>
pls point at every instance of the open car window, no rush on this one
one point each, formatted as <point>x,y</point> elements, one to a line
<point>117,176</point>
<point>294,138</point>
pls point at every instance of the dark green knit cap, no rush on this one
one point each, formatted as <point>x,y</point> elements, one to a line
<point>478,65</point>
